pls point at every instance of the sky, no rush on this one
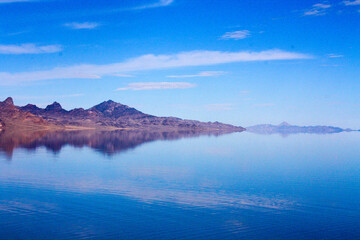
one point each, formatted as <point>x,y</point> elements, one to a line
<point>239,62</point>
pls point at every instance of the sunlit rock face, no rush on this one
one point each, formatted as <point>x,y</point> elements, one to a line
<point>2,125</point>
<point>14,118</point>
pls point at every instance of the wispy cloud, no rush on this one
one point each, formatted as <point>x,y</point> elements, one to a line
<point>82,25</point>
<point>332,55</point>
<point>150,62</point>
<point>16,33</point>
<point>314,12</point>
<point>156,86</point>
<point>29,49</point>
<point>200,74</point>
<point>155,4</point>
<point>322,5</point>
<point>352,3</point>
<point>236,35</point>
<point>13,1</point>
<point>317,9</point>
<point>160,3</point>
<point>122,75</point>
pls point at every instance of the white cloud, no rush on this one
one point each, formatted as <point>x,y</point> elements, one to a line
<point>236,35</point>
<point>317,9</point>
<point>150,62</point>
<point>155,4</point>
<point>16,33</point>
<point>352,3</point>
<point>200,74</point>
<point>322,5</point>
<point>314,12</point>
<point>83,25</point>
<point>13,1</point>
<point>160,3</point>
<point>29,49</point>
<point>331,55</point>
<point>157,86</point>
<point>122,75</point>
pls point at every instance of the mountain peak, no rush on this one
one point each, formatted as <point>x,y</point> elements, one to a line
<point>54,106</point>
<point>110,103</point>
<point>9,101</point>
<point>106,105</point>
<point>114,110</point>
<point>284,124</point>
<point>30,106</point>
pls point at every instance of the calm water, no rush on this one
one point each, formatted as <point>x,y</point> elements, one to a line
<point>174,186</point>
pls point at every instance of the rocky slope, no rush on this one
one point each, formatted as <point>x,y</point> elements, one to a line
<point>107,114</point>
<point>2,125</point>
<point>14,118</point>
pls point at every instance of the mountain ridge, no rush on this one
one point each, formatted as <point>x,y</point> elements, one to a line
<point>13,117</point>
<point>286,128</point>
<point>108,114</point>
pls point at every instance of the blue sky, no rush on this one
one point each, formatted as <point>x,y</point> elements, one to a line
<point>239,62</point>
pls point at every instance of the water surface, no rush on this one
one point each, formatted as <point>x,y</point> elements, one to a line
<point>179,185</point>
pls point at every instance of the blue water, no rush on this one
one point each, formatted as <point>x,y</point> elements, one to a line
<point>233,186</point>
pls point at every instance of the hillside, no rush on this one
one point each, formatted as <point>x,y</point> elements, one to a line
<point>11,117</point>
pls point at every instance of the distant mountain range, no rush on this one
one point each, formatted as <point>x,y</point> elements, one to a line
<point>285,129</point>
<point>110,115</point>
<point>106,115</point>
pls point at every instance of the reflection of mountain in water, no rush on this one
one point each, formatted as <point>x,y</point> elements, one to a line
<point>108,142</point>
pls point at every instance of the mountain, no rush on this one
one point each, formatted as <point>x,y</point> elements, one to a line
<point>2,125</point>
<point>106,115</point>
<point>13,117</point>
<point>112,109</point>
<point>286,128</point>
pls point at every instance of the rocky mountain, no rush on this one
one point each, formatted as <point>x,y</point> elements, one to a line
<point>115,110</point>
<point>108,114</point>
<point>13,117</point>
<point>2,125</point>
<point>285,128</point>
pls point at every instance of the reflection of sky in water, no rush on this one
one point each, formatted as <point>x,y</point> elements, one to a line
<point>306,182</point>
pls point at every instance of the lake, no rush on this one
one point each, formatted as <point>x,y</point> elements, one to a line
<point>183,185</point>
